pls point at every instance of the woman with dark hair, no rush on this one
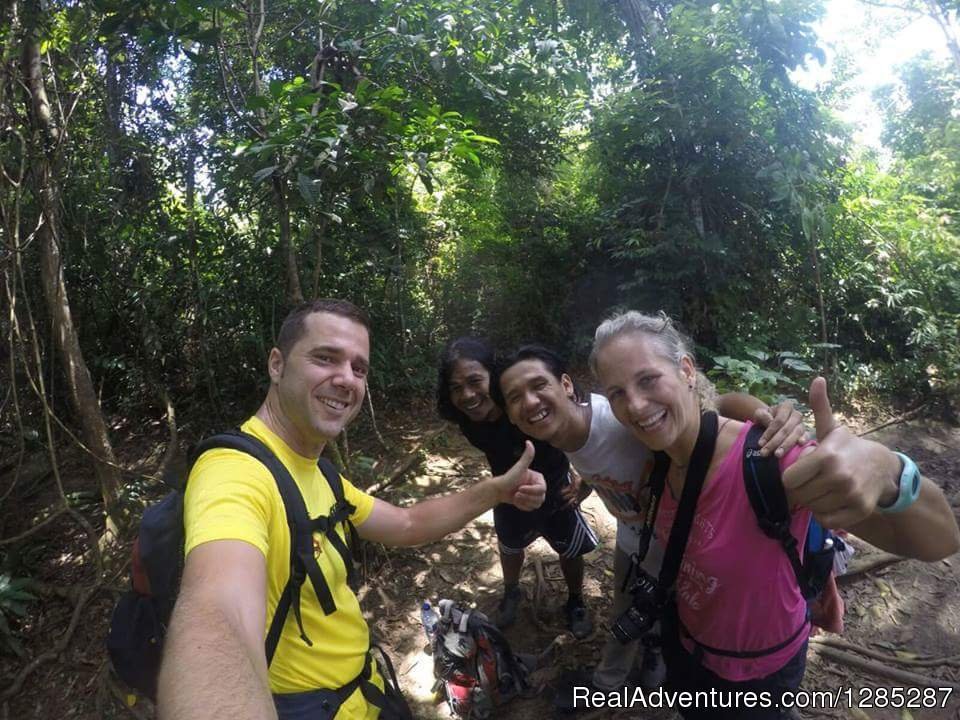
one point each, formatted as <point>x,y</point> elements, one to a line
<point>463,397</point>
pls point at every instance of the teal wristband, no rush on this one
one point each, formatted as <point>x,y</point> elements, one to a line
<point>909,487</point>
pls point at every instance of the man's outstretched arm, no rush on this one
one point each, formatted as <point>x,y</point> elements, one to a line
<point>214,666</point>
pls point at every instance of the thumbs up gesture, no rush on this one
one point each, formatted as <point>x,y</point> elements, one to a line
<point>521,486</point>
<point>845,477</point>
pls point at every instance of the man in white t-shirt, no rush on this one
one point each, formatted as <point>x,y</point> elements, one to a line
<point>614,464</point>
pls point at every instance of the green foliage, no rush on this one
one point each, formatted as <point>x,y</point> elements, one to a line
<point>13,605</point>
<point>895,266</point>
<point>513,169</point>
<point>692,159</point>
<point>767,383</point>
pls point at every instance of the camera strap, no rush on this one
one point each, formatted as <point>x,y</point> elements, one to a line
<point>692,485</point>
<point>661,463</point>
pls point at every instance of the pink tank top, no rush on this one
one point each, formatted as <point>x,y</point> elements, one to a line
<point>736,589</point>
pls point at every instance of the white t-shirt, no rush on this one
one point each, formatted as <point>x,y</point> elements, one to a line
<point>617,466</point>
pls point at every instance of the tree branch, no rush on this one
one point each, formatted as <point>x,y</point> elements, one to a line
<point>35,529</point>
<point>855,571</point>
<point>916,662</point>
<point>903,677</point>
<point>893,421</point>
<point>226,91</point>
<point>891,6</point>
<point>60,646</point>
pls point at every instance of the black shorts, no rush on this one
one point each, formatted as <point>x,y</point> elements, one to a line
<point>567,531</point>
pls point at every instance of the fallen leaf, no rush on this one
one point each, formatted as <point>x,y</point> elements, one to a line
<point>384,598</point>
<point>906,715</point>
<point>905,655</point>
<point>883,586</point>
<point>858,714</point>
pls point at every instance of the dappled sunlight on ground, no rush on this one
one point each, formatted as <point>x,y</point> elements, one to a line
<point>908,610</point>
<point>465,567</point>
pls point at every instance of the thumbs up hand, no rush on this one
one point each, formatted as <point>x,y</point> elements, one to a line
<point>823,420</point>
<point>845,477</point>
<point>521,486</point>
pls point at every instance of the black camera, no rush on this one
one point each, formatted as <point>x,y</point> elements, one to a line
<point>637,619</point>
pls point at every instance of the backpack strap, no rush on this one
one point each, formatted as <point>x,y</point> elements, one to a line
<point>339,513</point>
<point>303,562</point>
<point>761,478</point>
<point>517,670</point>
<point>700,648</point>
<point>292,502</point>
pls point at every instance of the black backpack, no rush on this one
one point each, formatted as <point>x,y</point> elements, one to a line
<point>139,623</point>
<point>764,486</point>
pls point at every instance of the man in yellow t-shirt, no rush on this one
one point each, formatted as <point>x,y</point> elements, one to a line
<point>238,541</point>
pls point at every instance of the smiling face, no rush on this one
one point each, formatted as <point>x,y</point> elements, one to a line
<point>649,393</point>
<point>537,402</point>
<point>320,384</point>
<point>469,386</point>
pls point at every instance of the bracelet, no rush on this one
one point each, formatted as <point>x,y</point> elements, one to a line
<point>909,487</point>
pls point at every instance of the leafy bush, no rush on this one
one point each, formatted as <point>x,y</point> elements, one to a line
<point>767,383</point>
<point>13,604</point>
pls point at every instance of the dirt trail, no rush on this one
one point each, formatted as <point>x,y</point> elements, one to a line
<point>909,610</point>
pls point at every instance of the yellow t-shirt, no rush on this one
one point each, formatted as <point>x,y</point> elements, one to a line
<point>232,496</point>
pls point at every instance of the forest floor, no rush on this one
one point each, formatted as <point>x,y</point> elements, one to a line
<point>906,613</point>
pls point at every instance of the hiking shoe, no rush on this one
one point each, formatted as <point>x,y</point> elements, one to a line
<point>653,671</point>
<point>564,699</point>
<point>578,619</point>
<point>507,609</point>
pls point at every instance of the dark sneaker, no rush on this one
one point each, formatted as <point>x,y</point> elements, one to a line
<point>578,619</point>
<point>507,609</point>
<point>565,699</point>
<point>653,671</point>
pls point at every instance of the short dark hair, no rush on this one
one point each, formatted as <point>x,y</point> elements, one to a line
<point>462,348</point>
<point>292,328</point>
<point>552,360</point>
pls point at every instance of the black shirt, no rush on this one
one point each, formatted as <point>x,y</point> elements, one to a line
<point>503,443</point>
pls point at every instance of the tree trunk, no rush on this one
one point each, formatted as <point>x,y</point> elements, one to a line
<point>821,305</point>
<point>45,185</point>
<point>319,231</point>
<point>113,109</point>
<point>287,248</point>
<point>940,16</point>
<point>255,24</point>
<point>641,20</point>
